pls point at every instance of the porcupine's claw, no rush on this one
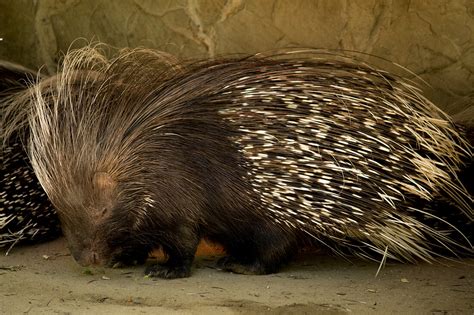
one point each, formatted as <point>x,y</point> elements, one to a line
<point>167,271</point>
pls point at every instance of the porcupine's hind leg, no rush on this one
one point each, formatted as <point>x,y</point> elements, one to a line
<point>262,250</point>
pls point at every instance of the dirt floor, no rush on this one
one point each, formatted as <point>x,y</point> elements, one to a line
<point>44,279</point>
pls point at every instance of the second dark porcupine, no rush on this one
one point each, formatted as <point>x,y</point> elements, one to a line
<point>260,154</point>
<point>26,214</point>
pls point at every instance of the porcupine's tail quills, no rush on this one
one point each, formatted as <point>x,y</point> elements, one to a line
<point>256,153</point>
<point>359,149</point>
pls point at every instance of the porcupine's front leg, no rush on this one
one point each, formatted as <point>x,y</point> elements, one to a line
<point>180,246</point>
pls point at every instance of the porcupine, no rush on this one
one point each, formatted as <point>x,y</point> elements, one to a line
<point>257,153</point>
<point>26,215</point>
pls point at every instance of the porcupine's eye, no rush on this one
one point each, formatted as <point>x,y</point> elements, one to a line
<point>103,212</point>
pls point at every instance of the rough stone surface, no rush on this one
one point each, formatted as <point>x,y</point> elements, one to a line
<point>433,39</point>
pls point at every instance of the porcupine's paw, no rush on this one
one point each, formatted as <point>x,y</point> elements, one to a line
<point>129,259</point>
<point>229,263</point>
<point>127,263</point>
<point>167,271</point>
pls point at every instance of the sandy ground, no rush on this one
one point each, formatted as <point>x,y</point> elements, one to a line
<point>44,279</point>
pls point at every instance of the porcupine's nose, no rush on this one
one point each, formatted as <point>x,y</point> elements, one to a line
<point>88,258</point>
<point>94,258</point>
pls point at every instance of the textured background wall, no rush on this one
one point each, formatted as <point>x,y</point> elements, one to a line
<point>434,39</point>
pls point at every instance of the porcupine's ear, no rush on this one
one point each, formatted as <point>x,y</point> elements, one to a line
<point>106,186</point>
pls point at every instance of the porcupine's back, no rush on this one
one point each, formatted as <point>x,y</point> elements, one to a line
<point>350,155</point>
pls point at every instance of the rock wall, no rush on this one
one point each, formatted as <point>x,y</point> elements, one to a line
<point>433,39</point>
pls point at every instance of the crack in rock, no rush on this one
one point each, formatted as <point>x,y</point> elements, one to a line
<point>205,39</point>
